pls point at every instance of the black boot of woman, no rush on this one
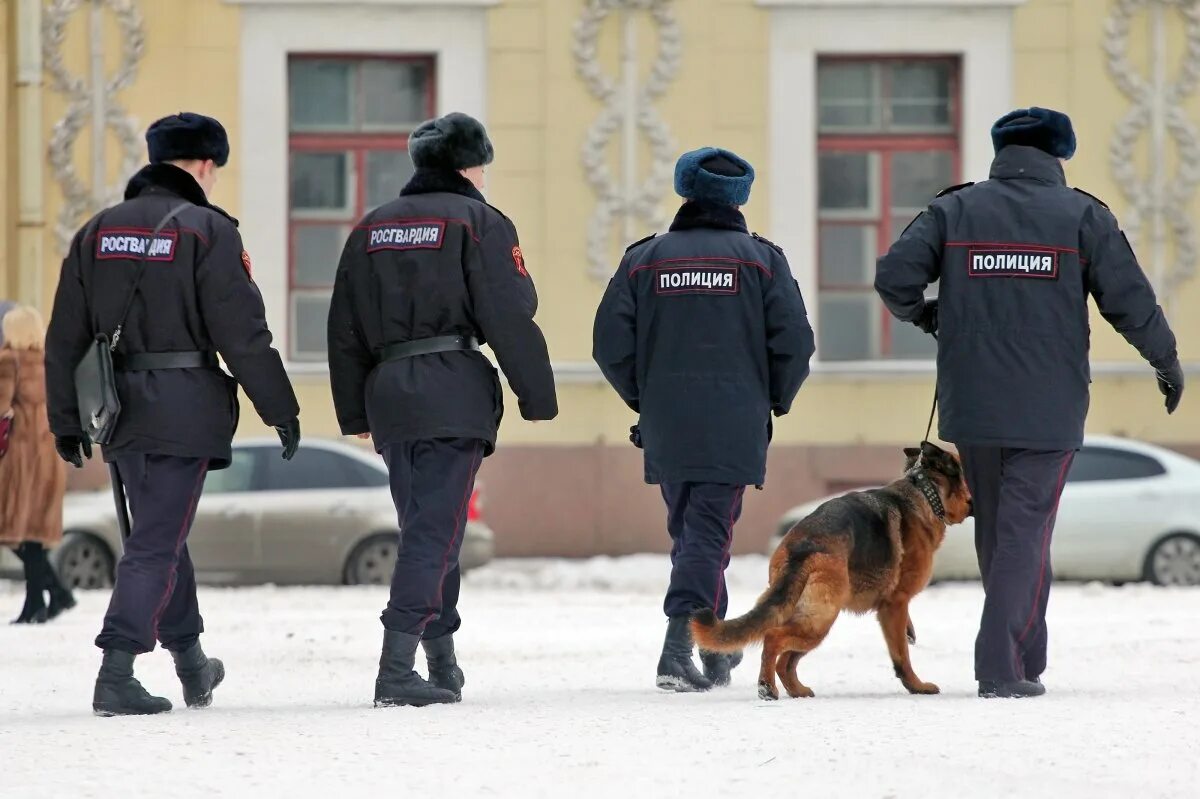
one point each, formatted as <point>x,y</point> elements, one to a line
<point>61,598</point>
<point>34,611</point>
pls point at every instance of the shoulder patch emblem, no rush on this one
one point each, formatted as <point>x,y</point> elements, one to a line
<point>519,260</point>
<point>952,189</point>
<point>640,241</point>
<point>1094,197</point>
<point>246,265</point>
<point>768,242</point>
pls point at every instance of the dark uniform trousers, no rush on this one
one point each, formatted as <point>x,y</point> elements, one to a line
<point>155,594</point>
<point>432,481</point>
<point>1016,494</point>
<point>700,519</point>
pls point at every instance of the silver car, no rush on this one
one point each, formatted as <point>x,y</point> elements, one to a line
<point>324,517</point>
<point>1130,511</point>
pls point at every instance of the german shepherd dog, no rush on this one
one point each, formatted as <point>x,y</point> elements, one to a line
<point>868,550</point>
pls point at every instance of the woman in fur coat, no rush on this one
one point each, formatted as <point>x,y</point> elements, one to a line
<point>33,479</point>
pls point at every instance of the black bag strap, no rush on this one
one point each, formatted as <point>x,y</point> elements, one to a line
<point>137,277</point>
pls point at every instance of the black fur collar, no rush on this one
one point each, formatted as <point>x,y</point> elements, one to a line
<point>169,178</point>
<point>444,181</point>
<point>701,214</point>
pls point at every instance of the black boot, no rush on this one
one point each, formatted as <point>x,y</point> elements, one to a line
<point>443,667</point>
<point>61,598</point>
<point>199,674</point>
<point>397,683</point>
<point>118,693</point>
<point>1019,689</point>
<point>34,610</point>
<point>717,666</point>
<point>676,670</point>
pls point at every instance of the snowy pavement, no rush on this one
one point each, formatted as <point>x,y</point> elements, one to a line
<point>560,702</point>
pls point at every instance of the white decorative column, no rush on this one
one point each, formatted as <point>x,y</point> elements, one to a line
<point>1159,221</point>
<point>628,109</point>
<point>91,100</point>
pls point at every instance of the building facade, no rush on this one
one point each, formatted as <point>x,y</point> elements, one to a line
<point>854,113</point>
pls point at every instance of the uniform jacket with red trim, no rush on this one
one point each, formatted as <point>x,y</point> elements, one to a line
<point>703,332</point>
<point>436,261</point>
<point>1017,257</point>
<point>196,294</point>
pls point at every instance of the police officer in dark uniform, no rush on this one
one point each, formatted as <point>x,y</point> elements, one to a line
<point>1018,255</point>
<point>703,332</point>
<point>424,280</point>
<point>196,299</point>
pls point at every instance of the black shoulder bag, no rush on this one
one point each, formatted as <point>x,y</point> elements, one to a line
<point>95,377</point>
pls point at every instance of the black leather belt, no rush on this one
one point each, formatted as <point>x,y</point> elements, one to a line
<point>428,346</point>
<point>147,361</point>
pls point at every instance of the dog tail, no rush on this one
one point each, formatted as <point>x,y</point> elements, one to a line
<point>773,607</point>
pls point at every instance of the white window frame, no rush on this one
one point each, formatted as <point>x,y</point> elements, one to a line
<point>979,32</point>
<point>454,32</point>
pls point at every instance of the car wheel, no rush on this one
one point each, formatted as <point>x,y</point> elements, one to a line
<point>373,560</point>
<point>84,561</point>
<point>1175,560</point>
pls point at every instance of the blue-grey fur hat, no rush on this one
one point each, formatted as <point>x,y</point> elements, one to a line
<point>715,175</point>
<point>1043,128</point>
<point>455,141</point>
<point>185,137</point>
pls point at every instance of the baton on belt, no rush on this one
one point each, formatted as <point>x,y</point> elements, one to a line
<point>118,489</point>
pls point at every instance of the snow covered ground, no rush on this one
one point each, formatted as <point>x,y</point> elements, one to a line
<point>560,702</point>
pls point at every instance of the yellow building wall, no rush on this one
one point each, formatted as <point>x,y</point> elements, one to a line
<point>8,186</point>
<point>190,63</point>
<point>539,112</point>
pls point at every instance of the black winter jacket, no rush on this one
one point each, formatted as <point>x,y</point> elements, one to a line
<point>436,261</point>
<point>1018,255</point>
<point>703,332</point>
<point>196,294</point>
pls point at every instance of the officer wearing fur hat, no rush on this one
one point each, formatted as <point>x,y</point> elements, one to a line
<point>195,299</point>
<point>423,282</point>
<point>1018,256</point>
<point>703,332</point>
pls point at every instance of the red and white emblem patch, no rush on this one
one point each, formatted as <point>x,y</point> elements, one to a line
<point>519,260</point>
<point>246,264</point>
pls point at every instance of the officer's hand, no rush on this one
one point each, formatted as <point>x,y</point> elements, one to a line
<point>289,436</point>
<point>70,447</point>
<point>1170,383</point>
<point>635,436</point>
<point>928,320</point>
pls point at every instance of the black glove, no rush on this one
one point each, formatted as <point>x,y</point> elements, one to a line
<point>1170,383</point>
<point>928,320</point>
<point>289,436</point>
<point>635,436</point>
<point>69,448</point>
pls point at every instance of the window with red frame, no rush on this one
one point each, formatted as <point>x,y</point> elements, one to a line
<point>888,141</point>
<point>349,120</point>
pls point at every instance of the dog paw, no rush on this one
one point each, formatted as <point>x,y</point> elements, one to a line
<point>767,692</point>
<point>923,689</point>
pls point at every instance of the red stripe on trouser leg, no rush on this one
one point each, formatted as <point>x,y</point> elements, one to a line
<point>1047,529</point>
<point>459,528</point>
<point>733,512</point>
<point>183,532</point>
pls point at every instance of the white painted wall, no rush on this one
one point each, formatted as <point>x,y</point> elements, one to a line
<point>979,31</point>
<point>456,34</point>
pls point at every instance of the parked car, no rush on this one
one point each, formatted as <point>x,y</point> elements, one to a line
<point>324,517</point>
<point>1130,511</point>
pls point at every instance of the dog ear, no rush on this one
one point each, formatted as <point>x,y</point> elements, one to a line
<point>911,452</point>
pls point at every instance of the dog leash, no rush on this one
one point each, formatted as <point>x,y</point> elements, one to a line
<point>932,414</point>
